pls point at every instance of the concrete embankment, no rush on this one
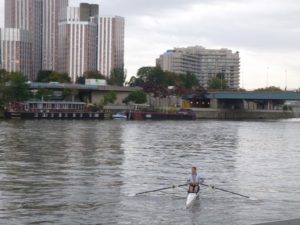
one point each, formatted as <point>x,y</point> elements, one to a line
<point>241,114</point>
<point>286,222</point>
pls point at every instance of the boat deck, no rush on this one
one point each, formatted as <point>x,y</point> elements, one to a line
<point>286,222</point>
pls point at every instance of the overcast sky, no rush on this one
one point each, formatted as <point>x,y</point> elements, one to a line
<point>265,32</point>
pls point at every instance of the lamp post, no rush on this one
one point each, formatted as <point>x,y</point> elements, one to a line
<point>285,80</point>
<point>267,80</point>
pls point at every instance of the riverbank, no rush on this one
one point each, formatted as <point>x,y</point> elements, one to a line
<point>242,114</point>
<point>215,115</point>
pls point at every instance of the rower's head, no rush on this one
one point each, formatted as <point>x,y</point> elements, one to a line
<point>194,170</point>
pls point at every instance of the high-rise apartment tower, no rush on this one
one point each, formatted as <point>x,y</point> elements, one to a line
<point>110,43</point>
<point>16,50</point>
<point>27,15</point>
<point>77,45</point>
<point>54,11</point>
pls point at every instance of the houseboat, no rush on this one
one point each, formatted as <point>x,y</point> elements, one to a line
<point>52,110</point>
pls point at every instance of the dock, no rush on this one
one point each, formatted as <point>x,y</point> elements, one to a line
<point>286,222</point>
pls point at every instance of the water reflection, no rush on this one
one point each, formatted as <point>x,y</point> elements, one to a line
<point>50,167</point>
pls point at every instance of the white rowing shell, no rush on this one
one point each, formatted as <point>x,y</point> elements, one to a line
<point>190,199</point>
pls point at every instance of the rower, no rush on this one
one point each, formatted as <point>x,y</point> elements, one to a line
<point>194,181</point>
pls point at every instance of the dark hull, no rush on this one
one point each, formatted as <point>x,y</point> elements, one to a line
<point>163,116</point>
<point>55,115</point>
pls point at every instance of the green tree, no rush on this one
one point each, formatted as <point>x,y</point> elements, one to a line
<point>171,79</point>
<point>17,88</point>
<point>48,76</point>
<point>189,80</point>
<point>43,94</point>
<point>70,94</point>
<point>44,76</point>
<point>3,79</point>
<point>117,77</point>
<point>109,97</point>
<point>90,75</point>
<point>4,76</point>
<point>138,97</point>
<point>144,72</point>
<point>93,75</point>
<point>59,77</point>
<point>218,82</point>
<point>135,82</point>
<point>157,76</point>
<point>80,80</point>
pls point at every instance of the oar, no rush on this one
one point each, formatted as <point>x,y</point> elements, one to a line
<point>161,189</point>
<point>231,192</point>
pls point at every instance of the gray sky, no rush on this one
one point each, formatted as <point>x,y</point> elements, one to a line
<point>265,32</point>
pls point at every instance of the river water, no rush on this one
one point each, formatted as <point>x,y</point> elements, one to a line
<point>87,172</point>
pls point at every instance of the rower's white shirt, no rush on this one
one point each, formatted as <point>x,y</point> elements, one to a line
<point>198,178</point>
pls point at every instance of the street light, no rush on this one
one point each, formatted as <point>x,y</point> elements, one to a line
<point>267,81</point>
<point>285,80</point>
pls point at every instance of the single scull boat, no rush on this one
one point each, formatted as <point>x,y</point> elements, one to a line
<point>191,197</point>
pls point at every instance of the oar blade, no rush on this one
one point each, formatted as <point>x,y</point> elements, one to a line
<point>231,192</point>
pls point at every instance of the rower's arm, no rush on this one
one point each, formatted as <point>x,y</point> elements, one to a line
<point>189,180</point>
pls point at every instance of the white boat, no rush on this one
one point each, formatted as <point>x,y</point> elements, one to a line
<point>191,197</point>
<point>119,116</point>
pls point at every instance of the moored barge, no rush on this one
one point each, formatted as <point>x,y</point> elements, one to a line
<point>52,110</point>
<point>181,115</point>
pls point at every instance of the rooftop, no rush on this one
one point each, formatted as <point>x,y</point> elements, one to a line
<point>252,95</point>
<point>255,95</point>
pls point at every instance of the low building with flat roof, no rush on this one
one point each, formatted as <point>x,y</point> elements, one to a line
<point>94,93</point>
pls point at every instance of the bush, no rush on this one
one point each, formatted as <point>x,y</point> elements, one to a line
<point>287,108</point>
<point>137,97</point>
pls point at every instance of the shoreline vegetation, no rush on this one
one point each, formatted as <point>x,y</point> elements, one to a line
<point>153,82</point>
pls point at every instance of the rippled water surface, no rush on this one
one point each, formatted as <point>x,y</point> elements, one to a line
<point>86,172</point>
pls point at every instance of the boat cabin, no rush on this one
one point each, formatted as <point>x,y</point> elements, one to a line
<point>34,106</point>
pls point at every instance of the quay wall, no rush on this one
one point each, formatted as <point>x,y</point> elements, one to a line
<point>242,114</point>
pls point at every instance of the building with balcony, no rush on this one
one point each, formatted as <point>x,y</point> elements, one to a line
<point>16,50</point>
<point>204,63</point>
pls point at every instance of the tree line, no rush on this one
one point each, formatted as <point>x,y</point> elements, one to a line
<point>153,81</point>
<point>117,77</point>
<point>14,86</point>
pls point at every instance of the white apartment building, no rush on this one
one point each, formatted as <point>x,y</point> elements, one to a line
<point>110,43</point>
<point>65,39</point>
<point>204,63</point>
<point>53,12</point>
<point>27,15</point>
<point>16,50</point>
<point>77,52</point>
